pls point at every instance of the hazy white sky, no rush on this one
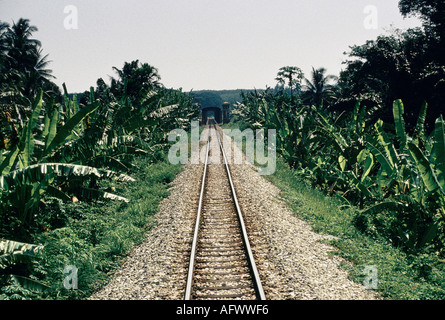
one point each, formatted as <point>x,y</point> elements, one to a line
<point>201,44</point>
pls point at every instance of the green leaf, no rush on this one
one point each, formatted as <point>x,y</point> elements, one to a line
<point>386,165</point>
<point>66,130</point>
<point>39,172</point>
<point>398,111</point>
<point>29,284</point>
<point>359,185</point>
<point>386,206</point>
<point>362,155</point>
<point>53,191</point>
<point>425,169</point>
<point>369,164</point>
<point>342,162</point>
<point>94,194</point>
<point>14,251</point>
<point>438,151</point>
<point>339,141</point>
<point>137,122</point>
<point>385,143</point>
<point>420,125</point>
<point>52,129</point>
<point>28,139</point>
<point>46,124</point>
<point>9,160</point>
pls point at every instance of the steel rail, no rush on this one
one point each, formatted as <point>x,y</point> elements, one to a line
<point>188,289</point>
<point>251,260</point>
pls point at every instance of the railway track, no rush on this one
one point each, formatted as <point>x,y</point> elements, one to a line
<point>221,264</point>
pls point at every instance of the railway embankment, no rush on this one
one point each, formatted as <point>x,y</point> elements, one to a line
<point>294,262</point>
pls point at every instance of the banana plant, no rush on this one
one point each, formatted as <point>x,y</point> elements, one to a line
<point>412,178</point>
<point>25,175</point>
<point>23,154</point>
<point>25,187</point>
<point>438,151</point>
<point>14,252</point>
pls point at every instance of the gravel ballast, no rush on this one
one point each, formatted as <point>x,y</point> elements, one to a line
<point>292,260</point>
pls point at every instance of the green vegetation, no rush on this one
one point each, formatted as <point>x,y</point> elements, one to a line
<point>400,276</point>
<point>93,236</point>
<point>79,178</point>
<point>362,156</point>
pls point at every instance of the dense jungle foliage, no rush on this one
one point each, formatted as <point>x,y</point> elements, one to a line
<point>82,174</point>
<point>68,164</point>
<point>375,136</point>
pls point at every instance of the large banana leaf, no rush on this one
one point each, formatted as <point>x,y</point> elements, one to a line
<point>94,194</point>
<point>369,164</point>
<point>14,251</point>
<point>52,128</point>
<point>420,125</point>
<point>335,136</point>
<point>438,151</point>
<point>29,284</point>
<point>358,184</point>
<point>24,149</point>
<point>385,164</point>
<point>107,152</point>
<point>67,129</point>
<point>391,154</point>
<point>9,160</point>
<point>27,186</point>
<point>137,122</point>
<point>398,111</point>
<point>37,172</point>
<point>387,205</point>
<point>426,171</point>
<point>28,138</point>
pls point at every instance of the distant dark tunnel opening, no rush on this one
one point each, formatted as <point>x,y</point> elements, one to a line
<point>212,112</point>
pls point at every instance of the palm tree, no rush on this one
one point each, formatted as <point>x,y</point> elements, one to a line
<point>25,59</point>
<point>38,75</point>
<point>290,75</point>
<point>21,48</point>
<point>23,71</point>
<point>318,88</point>
<point>135,80</point>
<point>3,54</point>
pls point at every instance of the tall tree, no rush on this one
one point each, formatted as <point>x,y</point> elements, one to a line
<point>135,80</point>
<point>432,14</point>
<point>398,66</point>
<point>3,55</point>
<point>319,88</point>
<point>23,71</point>
<point>291,76</point>
<point>25,59</point>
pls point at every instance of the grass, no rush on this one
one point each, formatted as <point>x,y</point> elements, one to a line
<point>400,276</point>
